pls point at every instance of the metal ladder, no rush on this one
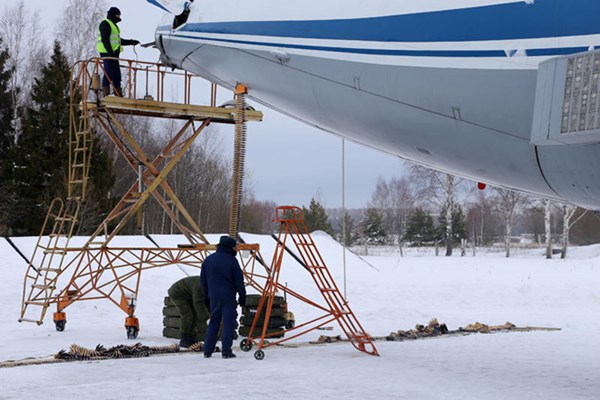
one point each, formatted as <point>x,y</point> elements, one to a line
<point>292,225</point>
<point>49,254</point>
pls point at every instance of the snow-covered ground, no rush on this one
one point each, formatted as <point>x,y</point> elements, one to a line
<point>401,292</point>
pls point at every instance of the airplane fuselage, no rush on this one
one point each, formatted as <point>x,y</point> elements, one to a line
<point>447,84</point>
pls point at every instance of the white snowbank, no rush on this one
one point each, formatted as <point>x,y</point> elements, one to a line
<point>525,289</point>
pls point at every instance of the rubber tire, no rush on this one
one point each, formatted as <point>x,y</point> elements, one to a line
<point>132,332</point>
<point>259,355</point>
<point>171,322</point>
<point>274,322</point>
<point>171,311</point>
<point>60,325</point>
<point>252,300</point>
<point>168,302</point>
<point>275,311</point>
<point>245,330</point>
<point>175,333</point>
<point>246,345</point>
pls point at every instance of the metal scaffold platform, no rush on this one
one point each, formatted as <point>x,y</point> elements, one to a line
<point>61,274</point>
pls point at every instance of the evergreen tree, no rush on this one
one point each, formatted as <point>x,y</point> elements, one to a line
<point>419,229</point>
<point>6,104</point>
<point>7,199</point>
<point>40,158</point>
<point>373,227</point>
<point>347,239</point>
<point>316,218</point>
<point>459,225</point>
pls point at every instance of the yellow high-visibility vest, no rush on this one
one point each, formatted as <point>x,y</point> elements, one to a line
<point>115,38</point>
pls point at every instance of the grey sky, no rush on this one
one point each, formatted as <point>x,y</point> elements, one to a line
<point>316,166</point>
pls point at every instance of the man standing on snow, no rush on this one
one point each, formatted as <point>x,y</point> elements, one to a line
<point>188,297</point>
<point>221,278</point>
<point>110,45</point>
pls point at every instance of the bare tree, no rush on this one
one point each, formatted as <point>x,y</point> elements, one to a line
<point>78,28</point>
<point>402,203</point>
<point>548,228</point>
<point>22,35</point>
<point>437,189</point>
<point>507,204</point>
<point>568,211</point>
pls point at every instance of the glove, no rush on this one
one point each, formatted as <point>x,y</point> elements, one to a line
<point>207,303</point>
<point>136,42</point>
<point>242,301</point>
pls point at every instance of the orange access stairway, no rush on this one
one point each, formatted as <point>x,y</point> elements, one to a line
<point>336,308</point>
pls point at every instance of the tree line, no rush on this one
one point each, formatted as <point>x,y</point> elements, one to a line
<point>429,208</point>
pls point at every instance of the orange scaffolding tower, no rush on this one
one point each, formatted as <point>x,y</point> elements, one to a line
<point>97,270</point>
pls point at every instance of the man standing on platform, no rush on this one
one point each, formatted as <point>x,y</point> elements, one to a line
<point>110,45</point>
<point>221,278</point>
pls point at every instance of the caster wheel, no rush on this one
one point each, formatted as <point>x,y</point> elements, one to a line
<point>259,354</point>
<point>132,332</point>
<point>246,345</point>
<point>60,325</point>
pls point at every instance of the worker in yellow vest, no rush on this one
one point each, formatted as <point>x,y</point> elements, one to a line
<point>110,45</point>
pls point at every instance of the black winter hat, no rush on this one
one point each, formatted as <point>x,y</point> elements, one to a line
<point>114,11</point>
<point>227,241</point>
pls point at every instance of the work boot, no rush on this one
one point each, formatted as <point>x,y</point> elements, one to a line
<point>186,340</point>
<point>207,355</point>
<point>228,355</point>
<point>106,90</point>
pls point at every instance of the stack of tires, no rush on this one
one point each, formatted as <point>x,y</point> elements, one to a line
<point>278,321</point>
<point>171,318</point>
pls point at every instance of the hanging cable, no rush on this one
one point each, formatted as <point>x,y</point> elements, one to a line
<point>344,213</point>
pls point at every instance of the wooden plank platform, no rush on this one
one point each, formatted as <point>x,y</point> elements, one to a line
<point>161,109</point>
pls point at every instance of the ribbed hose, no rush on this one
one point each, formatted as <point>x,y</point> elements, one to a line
<point>239,159</point>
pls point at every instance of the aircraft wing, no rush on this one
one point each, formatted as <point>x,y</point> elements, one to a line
<point>172,6</point>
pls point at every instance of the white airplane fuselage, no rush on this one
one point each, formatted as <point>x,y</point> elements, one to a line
<point>450,84</point>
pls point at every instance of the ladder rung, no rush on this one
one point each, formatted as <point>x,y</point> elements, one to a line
<point>43,287</point>
<point>78,165</point>
<point>80,133</point>
<point>36,303</point>
<point>74,198</point>
<point>77,181</point>
<point>318,266</point>
<point>328,290</point>
<point>49,269</point>
<point>64,218</point>
<point>55,251</point>
<point>80,149</point>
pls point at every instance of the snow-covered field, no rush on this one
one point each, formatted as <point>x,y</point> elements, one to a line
<point>525,289</point>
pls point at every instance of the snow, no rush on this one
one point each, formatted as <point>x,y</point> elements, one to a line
<point>526,289</point>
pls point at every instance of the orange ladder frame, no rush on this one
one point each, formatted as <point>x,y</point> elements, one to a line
<point>292,226</point>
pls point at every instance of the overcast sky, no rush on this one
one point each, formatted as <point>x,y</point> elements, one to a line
<point>316,167</point>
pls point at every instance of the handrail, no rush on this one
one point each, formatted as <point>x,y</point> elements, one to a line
<point>141,80</point>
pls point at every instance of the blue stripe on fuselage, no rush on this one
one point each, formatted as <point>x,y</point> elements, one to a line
<point>384,52</point>
<point>542,19</point>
